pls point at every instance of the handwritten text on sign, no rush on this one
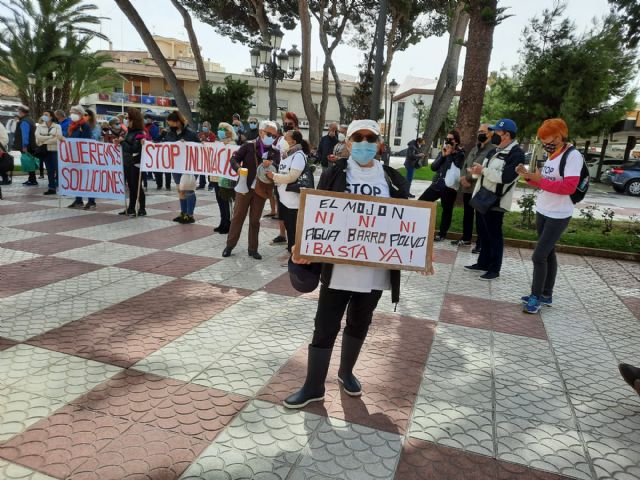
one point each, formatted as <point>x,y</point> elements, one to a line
<point>90,168</point>
<point>188,157</point>
<point>364,230</point>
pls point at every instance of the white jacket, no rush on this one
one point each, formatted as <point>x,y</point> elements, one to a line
<point>48,136</point>
<point>504,161</point>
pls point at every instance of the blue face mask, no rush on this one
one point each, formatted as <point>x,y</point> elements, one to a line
<point>267,141</point>
<point>363,152</point>
<point>205,129</point>
<point>235,128</point>
<point>253,126</point>
<point>221,134</point>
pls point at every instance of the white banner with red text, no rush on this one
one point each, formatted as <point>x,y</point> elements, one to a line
<point>212,159</point>
<point>88,168</point>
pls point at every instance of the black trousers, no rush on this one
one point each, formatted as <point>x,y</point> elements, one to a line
<point>490,225</point>
<point>290,218</point>
<point>224,206</point>
<point>545,264</point>
<point>467,219</point>
<point>131,174</point>
<point>167,178</point>
<point>331,306</point>
<point>448,199</point>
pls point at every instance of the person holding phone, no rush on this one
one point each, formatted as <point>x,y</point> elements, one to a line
<point>452,156</point>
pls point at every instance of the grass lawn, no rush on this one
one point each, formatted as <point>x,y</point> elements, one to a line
<point>424,173</point>
<point>578,234</point>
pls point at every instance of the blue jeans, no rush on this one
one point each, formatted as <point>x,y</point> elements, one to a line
<point>51,162</point>
<point>490,230</point>
<point>410,172</point>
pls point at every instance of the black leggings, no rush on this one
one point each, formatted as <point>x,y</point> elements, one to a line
<point>290,218</point>
<point>331,306</point>
<point>131,175</point>
<point>448,197</point>
<point>545,264</point>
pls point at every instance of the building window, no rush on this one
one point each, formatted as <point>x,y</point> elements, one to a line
<point>399,118</point>
<point>283,105</point>
<point>396,142</point>
<point>137,90</point>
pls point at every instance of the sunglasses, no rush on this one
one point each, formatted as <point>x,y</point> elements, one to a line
<point>289,125</point>
<point>271,135</point>
<point>359,137</point>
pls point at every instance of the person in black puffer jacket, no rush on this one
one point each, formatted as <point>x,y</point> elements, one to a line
<point>131,149</point>
<point>451,156</point>
<point>179,130</point>
<point>350,288</point>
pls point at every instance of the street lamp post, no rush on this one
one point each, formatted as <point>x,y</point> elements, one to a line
<point>420,107</point>
<point>393,88</point>
<point>274,64</point>
<point>31,79</point>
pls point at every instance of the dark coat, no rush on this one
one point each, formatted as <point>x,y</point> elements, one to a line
<point>326,148</point>
<point>186,134</point>
<point>247,157</point>
<point>442,163</point>
<point>17,140</point>
<point>334,179</point>
<point>132,146</point>
<point>412,160</point>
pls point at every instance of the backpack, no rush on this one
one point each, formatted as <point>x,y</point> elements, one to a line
<point>583,184</point>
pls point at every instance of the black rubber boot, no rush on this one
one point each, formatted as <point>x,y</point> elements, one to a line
<point>631,375</point>
<point>348,357</point>
<point>313,388</point>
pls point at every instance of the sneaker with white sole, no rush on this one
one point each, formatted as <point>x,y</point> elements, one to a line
<point>542,300</point>
<point>532,306</point>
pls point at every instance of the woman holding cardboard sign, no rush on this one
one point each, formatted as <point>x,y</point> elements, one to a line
<point>350,288</point>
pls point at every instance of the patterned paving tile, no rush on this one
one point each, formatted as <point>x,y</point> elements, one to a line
<point>167,237</point>
<point>13,234</point>
<point>19,410</point>
<point>70,222</point>
<point>168,263</point>
<point>11,471</point>
<point>340,449</point>
<point>50,269</point>
<point>8,256</point>
<point>105,253</point>
<point>48,244</point>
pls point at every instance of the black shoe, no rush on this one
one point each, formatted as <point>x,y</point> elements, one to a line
<point>188,219</point>
<point>42,177</point>
<point>124,212</point>
<point>223,230</point>
<point>475,250</point>
<point>76,204</point>
<point>5,182</point>
<point>227,252</point>
<point>255,255</point>
<point>348,356</point>
<point>279,240</point>
<point>439,238</point>
<point>200,187</point>
<point>30,183</point>
<point>460,243</point>
<point>179,218</point>
<point>475,266</point>
<point>132,214</point>
<point>210,187</point>
<point>168,187</point>
<point>313,389</point>
<point>411,195</point>
<point>158,187</point>
<point>50,192</point>
<point>217,229</point>
<point>142,212</point>
<point>90,206</point>
<point>631,375</point>
<point>490,276</point>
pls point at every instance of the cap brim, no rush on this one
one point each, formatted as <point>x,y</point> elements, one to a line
<point>363,128</point>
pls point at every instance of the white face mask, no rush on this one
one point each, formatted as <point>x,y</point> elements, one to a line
<point>74,117</point>
<point>341,137</point>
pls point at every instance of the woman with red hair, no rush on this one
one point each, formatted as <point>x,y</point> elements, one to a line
<point>554,207</point>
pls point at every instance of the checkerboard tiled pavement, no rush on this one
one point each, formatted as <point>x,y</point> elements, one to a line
<point>130,349</point>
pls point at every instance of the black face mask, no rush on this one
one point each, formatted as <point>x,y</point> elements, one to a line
<point>482,137</point>
<point>286,128</point>
<point>496,139</point>
<point>173,129</point>
<point>549,147</point>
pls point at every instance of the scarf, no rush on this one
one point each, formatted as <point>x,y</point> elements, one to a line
<point>75,125</point>
<point>293,149</point>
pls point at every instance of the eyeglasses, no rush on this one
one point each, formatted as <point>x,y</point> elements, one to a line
<point>451,139</point>
<point>359,137</point>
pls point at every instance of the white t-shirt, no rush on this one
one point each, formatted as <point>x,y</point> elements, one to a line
<point>553,205</point>
<point>297,161</point>
<point>352,278</point>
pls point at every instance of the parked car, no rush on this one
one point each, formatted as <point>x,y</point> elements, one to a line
<point>626,178</point>
<point>607,164</point>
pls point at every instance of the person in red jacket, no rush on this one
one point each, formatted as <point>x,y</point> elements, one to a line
<point>554,207</point>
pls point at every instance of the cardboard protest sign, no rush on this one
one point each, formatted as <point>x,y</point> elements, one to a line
<point>365,230</point>
<point>189,157</point>
<point>88,168</point>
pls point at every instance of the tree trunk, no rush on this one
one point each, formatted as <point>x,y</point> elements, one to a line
<point>260,15</point>
<point>446,87</point>
<point>476,71</point>
<point>377,76</point>
<point>193,40</point>
<point>339,97</point>
<point>305,74</point>
<point>181,99</point>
